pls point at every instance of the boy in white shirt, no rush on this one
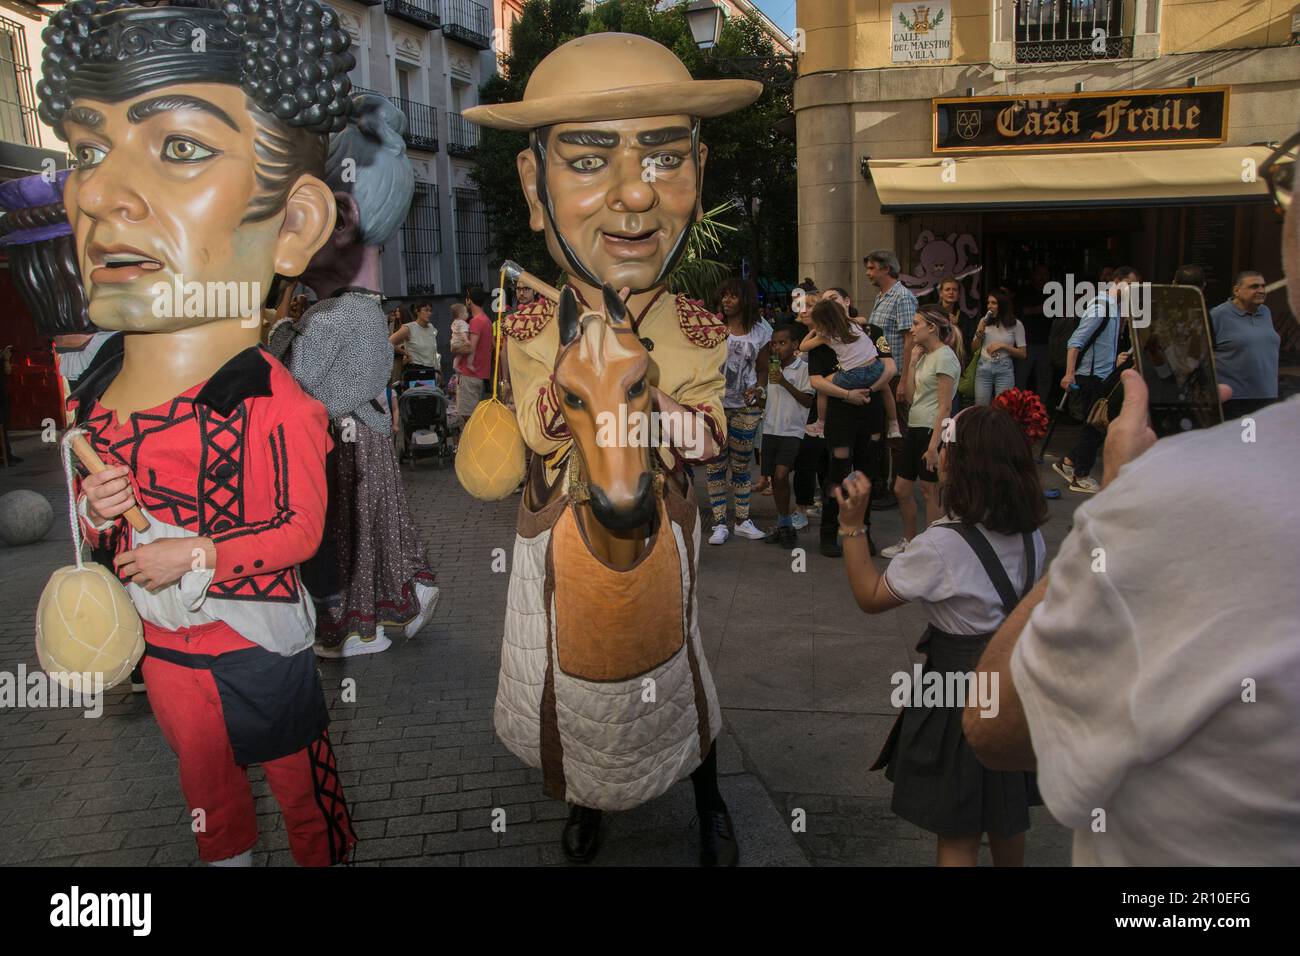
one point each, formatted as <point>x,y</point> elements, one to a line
<point>789,396</point>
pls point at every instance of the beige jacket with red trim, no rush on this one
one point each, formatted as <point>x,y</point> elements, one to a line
<point>689,351</point>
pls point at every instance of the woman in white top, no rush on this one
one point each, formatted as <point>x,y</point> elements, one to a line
<point>419,340</point>
<point>1000,338</point>
<point>747,353</point>
<point>967,571</point>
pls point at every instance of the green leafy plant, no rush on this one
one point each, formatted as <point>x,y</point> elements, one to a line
<point>699,274</point>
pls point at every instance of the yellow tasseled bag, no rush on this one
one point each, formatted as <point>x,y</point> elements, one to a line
<point>490,457</point>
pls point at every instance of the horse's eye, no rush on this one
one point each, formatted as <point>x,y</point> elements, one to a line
<point>573,401</point>
<point>637,388</point>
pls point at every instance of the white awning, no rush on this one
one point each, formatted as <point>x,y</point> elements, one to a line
<point>1155,177</point>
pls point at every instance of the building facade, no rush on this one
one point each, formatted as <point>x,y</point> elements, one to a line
<point>981,137</point>
<point>430,57</point>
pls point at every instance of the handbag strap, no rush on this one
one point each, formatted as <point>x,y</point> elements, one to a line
<point>993,564</point>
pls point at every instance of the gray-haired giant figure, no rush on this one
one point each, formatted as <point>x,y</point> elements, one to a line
<point>371,571</point>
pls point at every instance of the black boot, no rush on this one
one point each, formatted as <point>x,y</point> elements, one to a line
<point>581,838</point>
<point>718,845</point>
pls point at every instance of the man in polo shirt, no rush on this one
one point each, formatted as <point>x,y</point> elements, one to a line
<point>1246,346</point>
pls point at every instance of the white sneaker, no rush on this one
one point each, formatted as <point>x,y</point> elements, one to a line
<point>356,646</point>
<point>747,529</point>
<point>814,512</point>
<point>799,520</point>
<point>1088,486</point>
<point>894,550</point>
<point>719,535</point>
<point>427,595</point>
<point>1064,470</point>
<point>894,431</point>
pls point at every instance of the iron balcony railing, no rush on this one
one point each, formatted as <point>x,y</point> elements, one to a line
<point>462,138</point>
<point>423,13</point>
<point>1053,31</point>
<point>467,21</point>
<point>421,124</point>
<point>17,102</point>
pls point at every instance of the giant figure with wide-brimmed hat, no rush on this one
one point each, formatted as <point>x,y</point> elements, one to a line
<point>603,682</point>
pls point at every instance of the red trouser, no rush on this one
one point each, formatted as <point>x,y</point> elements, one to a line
<point>188,706</point>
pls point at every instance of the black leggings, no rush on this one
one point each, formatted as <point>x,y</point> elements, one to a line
<point>866,456</point>
<point>705,781</point>
<point>809,469</point>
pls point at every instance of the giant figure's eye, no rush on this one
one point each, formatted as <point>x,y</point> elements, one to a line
<point>178,149</point>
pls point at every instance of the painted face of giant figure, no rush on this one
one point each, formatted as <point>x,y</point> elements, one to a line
<point>622,196</point>
<point>196,163</point>
<point>610,176</point>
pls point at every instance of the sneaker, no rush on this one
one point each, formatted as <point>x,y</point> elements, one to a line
<point>784,536</point>
<point>137,679</point>
<point>894,431</point>
<point>799,521</point>
<point>814,512</point>
<point>427,595</point>
<point>894,550</point>
<point>720,534</point>
<point>1064,470</point>
<point>1085,485</point>
<point>747,529</point>
<point>356,646</point>
<point>830,548</point>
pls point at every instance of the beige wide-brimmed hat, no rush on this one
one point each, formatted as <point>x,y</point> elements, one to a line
<point>608,76</point>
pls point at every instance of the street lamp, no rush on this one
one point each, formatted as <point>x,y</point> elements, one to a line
<point>705,20</point>
<point>704,17</point>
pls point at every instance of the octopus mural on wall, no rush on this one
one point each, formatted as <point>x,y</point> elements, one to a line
<point>956,256</point>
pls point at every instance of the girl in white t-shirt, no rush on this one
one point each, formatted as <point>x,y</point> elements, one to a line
<point>1000,339</point>
<point>967,571</point>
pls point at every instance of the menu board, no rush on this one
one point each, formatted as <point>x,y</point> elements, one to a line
<point>1208,237</point>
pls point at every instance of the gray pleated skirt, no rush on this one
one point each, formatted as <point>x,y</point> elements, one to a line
<point>939,783</point>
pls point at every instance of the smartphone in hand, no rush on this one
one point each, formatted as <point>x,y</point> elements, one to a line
<point>1175,354</point>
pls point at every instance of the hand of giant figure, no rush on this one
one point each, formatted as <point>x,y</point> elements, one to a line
<point>603,593</point>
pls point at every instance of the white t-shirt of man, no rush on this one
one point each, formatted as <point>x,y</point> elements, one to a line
<point>940,572</point>
<point>1160,675</point>
<point>784,415</point>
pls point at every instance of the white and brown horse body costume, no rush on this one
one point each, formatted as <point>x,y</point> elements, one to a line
<point>603,681</point>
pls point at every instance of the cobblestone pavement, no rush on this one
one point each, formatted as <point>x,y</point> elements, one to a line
<point>802,675</point>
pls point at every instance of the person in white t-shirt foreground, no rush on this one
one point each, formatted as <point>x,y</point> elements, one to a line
<point>789,396</point>
<point>1154,677</point>
<point>967,571</point>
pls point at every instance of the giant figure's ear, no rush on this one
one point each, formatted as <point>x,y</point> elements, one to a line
<point>528,173</point>
<point>699,175</point>
<point>309,215</point>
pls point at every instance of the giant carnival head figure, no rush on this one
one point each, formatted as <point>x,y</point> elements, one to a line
<point>373,181</point>
<point>614,165</point>
<point>198,130</point>
<point>35,234</point>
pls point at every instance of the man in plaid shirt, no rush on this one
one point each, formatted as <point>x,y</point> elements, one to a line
<point>894,308</point>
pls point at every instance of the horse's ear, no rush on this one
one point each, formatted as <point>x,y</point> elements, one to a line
<point>615,307</point>
<point>568,316</point>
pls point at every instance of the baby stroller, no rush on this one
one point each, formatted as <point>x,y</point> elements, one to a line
<point>422,409</point>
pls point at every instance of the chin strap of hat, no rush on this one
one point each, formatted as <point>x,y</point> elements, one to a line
<point>576,264</point>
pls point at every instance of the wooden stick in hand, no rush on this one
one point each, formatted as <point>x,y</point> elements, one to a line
<point>86,455</point>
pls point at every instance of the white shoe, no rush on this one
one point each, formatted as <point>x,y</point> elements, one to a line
<point>894,431</point>
<point>356,646</point>
<point>1064,470</point>
<point>747,529</point>
<point>894,550</point>
<point>814,512</point>
<point>799,521</point>
<point>720,534</point>
<point>427,595</point>
<point>1085,485</point>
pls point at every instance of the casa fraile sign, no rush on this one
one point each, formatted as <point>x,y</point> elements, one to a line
<point>1190,116</point>
<point>922,31</point>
